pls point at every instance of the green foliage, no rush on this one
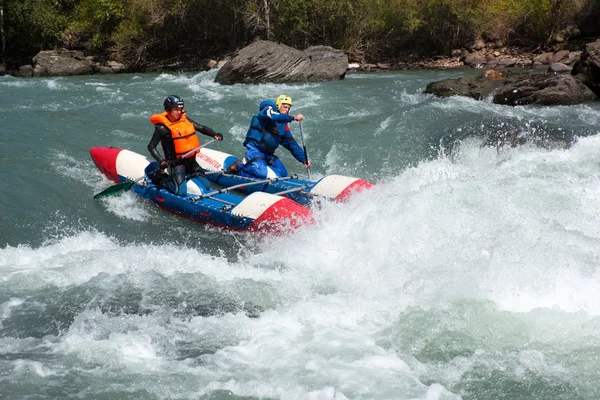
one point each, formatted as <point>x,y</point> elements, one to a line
<point>96,20</point>
<point>33,25</point>
<point>543,19</point>
<point>141,31</point>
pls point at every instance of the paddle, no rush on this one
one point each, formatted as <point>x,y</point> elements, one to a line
<point>304,147</point>
<point>125,186</point>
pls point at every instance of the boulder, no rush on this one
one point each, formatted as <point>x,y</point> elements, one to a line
<point>508,62</point>
<point>61,63</point>
<point>587,69</point>
<point>265,61</point>
<point>544,58</point>
<point>326,64</point>
<point>516,88</point>
<point>25,70</point>
<point>211,64</point>
<point>103,69</point>
<point>543,89</point>
<point>116,66</point>
<point>477,87</point>
<point>559,56</point>
<point>559,68</point>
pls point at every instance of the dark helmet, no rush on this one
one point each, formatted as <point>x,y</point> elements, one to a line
<point>267,103</point>
<point>172,102</point>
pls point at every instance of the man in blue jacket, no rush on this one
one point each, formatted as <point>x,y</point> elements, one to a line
<point>269,129</point>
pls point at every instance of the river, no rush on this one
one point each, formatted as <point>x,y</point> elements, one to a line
<point>470,271</point>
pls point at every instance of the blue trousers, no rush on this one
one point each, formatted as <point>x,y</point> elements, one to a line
<point>258,163</point>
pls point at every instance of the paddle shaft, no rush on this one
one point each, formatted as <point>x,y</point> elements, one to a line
<point>229,188</point>
<point>298,189</point>
<point>304,148</point>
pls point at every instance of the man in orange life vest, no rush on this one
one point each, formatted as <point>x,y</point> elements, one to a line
<point>177,135</point>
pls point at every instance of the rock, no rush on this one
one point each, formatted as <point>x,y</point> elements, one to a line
<point>544,58</point>
<point>476,87</point>
<point>515,88</point>
<point>103,69</point>
<point>211,64</point>
<point>61,63</point>
<point>474,60</point>
<point>478,45</point>
<point>560,55</point>
<point>508,62</point>
<point>559,68</point>
<point>587,69</point>
<point>493,74</point>
<point>368,67</point>
<point>116,66</point>
<point>326,64</point>
<point>468,58</point>
<point>265,61</point>
<point>543,89</point>
<point>25,70</point>
<point>111,67</point>
<point>574,56</point>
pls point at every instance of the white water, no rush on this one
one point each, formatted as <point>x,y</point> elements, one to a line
<point>469,275</point>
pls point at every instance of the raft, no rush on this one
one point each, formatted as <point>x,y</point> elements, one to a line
<point>257,211</point>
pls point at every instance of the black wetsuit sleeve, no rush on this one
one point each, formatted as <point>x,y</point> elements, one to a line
<point>205,130</point>
<point>159,132</point>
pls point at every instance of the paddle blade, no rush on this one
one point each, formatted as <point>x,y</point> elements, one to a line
<point>115,189</point>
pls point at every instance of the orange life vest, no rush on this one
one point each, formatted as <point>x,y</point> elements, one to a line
<point>182,132</point>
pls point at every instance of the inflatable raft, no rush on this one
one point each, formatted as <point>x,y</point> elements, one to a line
<point>329,188</point>
<point>259,211</point>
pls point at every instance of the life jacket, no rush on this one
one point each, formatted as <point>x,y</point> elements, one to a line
<point>183,133</point>
<point>269,138</point>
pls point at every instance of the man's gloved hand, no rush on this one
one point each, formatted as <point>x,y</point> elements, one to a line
<point>164,165</point>
<point>218,136</point>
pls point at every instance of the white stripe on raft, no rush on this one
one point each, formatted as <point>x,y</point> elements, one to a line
<point>131,165</point>
<point>211,160</point>
<point>255,204</point>
<point>332,185</point>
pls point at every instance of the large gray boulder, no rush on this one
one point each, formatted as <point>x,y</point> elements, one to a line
<point>477,87</point>
<point>265,61</point>
<point>587,69</point>
<point>61,63</point>
<point>516,88</point>
<point>544,90</point>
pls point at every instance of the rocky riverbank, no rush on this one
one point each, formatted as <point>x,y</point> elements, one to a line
<point>561,85</point>
<point>480,55</point>
<point>484,55</point>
